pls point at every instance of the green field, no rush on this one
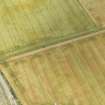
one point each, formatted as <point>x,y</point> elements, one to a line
<point>27,25</point>
<point>73,74</point>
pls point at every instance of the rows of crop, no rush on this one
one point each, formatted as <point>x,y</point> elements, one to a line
<point>23,28</point>
<point>68,75</point>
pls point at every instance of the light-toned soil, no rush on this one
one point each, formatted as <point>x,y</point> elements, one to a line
<point>6,96</point>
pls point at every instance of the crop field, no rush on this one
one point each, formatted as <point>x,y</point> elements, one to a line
<point>72,74</point>
<point>27,25</point>
<point>96,9</point>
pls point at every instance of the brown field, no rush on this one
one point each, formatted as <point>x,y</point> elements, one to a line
<point>73,74</point>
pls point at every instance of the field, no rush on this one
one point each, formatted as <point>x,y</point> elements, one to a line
<point>96,9</point>
<point>29,25</point>
<point>68,74</point>
<point>73,74</point>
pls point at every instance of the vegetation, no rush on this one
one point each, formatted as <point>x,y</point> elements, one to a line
<point>27,27</point>
<point>67,75</point>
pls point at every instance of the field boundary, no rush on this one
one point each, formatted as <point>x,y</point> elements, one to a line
<point>56,45</point>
